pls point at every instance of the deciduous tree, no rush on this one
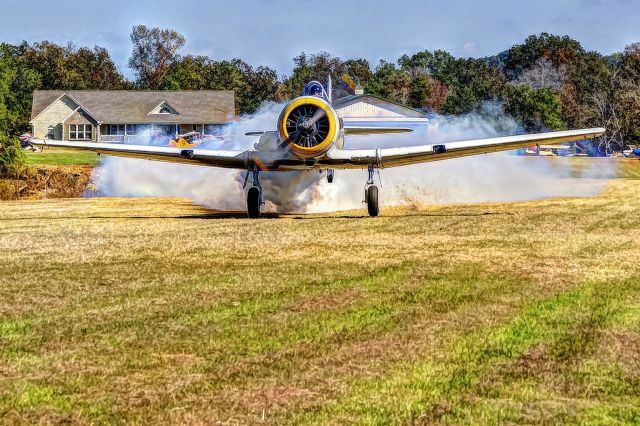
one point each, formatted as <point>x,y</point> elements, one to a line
<point>154,50</point>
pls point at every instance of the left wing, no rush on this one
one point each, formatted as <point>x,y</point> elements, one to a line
<point>400,156</point>
<point>208,157</point>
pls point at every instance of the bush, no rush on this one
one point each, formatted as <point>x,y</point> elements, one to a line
<point>11,155</point>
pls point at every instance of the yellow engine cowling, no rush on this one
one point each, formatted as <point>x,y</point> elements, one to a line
<point>308,126</point>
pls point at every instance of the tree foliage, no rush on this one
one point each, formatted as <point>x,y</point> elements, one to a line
<point>251,86</point>
<point>154,51</point>
<point>546,82</point>
<point>536,109</point>
<point>11,155</point>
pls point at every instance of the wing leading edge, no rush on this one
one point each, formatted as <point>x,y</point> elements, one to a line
<point>400,156</point>
<point>209,157</point>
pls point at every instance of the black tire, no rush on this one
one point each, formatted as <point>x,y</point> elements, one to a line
<point>253,202</point>
<point>372,201</point>
<point>330,176</point>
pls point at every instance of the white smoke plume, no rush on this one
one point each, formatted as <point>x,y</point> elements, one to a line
<point>493,177</point>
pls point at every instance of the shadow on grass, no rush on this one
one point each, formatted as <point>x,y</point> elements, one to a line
<point>243,215</point>
<point>364,216</point>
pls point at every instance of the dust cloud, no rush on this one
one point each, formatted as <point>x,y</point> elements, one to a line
<point>485,178</point>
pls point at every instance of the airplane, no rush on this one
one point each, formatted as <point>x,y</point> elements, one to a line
<point>311,136</point>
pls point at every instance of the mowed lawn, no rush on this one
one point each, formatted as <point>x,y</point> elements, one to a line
<point>62,156</point>
<point>156,311</point>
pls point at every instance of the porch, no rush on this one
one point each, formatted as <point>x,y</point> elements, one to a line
<point>125,133</point>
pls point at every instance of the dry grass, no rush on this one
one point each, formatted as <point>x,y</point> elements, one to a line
<point>46,181</point>
<point>158,311</point>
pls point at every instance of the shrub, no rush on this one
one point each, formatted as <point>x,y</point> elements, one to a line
<point>11,155</point>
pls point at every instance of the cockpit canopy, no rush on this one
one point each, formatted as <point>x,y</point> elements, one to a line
<point>315,88</point>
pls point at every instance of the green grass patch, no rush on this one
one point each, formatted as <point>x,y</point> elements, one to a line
<point>446,389</point>
<point>62,157</point>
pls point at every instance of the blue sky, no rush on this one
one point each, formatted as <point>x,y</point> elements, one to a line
<point>271,32</point>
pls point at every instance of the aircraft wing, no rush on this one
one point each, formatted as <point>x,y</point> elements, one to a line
<point>354,129</point>
<point>203,157</point>
<point>400,156</point>
<point>336,158</point>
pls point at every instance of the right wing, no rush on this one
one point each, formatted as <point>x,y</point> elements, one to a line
<point>354,129</point>
<point>400,156</point>
<point>202,157</point>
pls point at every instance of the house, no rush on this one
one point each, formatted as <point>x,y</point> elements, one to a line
<point>123,115</point>
<point>369,108</point>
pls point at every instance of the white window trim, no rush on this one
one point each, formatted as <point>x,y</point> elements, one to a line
<point>87,130</point>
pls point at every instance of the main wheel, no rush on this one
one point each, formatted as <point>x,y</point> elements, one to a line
<point>253,202</point>
<point>372,201</point>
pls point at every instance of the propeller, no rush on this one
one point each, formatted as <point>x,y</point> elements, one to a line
<point>307,126</point>
<point>285,143</point>
<point>317,116</point>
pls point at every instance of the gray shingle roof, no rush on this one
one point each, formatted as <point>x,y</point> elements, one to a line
<point>130,106</point>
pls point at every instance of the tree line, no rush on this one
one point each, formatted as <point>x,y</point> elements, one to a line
<point>548,82</point>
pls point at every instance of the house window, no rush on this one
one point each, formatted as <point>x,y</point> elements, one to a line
<point>51,132</point>
<point>80,132</point>
<point>164,129</point>
<point>214,129</point>
<point>115,129</point>
<point>132,129</point>
<point>165,110</point>
<point>143,129</point>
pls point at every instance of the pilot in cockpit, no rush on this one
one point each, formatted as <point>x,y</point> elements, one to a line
<point>313,89</point>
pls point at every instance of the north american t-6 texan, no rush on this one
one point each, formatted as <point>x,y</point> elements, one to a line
<point>311,136</point>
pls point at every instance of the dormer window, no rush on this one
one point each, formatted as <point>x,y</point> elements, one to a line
<point>164,109</point>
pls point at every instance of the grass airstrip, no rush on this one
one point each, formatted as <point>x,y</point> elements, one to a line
<point>157,311</point>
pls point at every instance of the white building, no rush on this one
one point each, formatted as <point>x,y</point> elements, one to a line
<point>120,115</point>
<point>370,108</point>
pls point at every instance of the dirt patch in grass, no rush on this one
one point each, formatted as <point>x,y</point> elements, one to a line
<point>622,346</point>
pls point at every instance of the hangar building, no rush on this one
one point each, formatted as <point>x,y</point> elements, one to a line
<point>369,108</point>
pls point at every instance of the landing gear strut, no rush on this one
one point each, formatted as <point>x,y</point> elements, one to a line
<point>371,195</point>
<point>330,173</point>
<point>254,196</point>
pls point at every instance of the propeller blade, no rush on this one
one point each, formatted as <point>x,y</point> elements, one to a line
<point>285,143</point>
<point>317,116</point>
